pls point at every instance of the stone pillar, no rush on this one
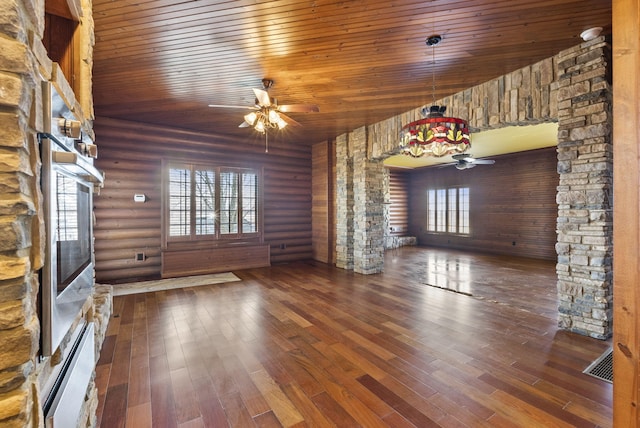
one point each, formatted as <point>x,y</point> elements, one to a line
<point>359,202</point>
<point>24,65</point>
<point>585,206</point>
<point>344,204</point>
<point>21,225</point>
<point>368,189</point>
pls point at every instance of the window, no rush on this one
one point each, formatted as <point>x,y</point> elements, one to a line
<point>448,210</point>
<point>211,202</point>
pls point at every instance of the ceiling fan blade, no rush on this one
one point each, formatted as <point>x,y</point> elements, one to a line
<point>263,97</point>
<point>244,125</point>
<point>299,108</point>
<point>228,106</point>
<point>442,165</point>
<point>484,161</point>
<point>289,120</point>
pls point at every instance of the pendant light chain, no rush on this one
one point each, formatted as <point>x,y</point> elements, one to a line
<point>436,135</point>
<point>433,74</point>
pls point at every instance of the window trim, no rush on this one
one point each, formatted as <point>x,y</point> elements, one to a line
<point>438,212</point>
<point>217,238</point>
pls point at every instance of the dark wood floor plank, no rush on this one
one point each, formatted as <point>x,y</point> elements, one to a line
<point>312,415</point>
<point>186,403</point>
<point>304,344</point>
<point>409,411</point>
<point>139,416</point>
<point>530,396</point>
<point>254,399</point>
<point>237,415</point>
<point>162,399</point>
<point>332,410</point>
<point>139,382</point>
<point>115,407</point>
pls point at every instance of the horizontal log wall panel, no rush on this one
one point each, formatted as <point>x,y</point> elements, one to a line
<point>118,258</point>
<point>399,198</point>
<point>111,244</point>
<point>293,253</point>
<point>196,262</point>
<point>513,208</point>
<point>114,276</point>
<point>131,156</point>
<point>117,235</point>
<point>122,263</point>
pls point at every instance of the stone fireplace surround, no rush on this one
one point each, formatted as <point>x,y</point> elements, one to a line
<point>25,377</point>
<point>572,88</point>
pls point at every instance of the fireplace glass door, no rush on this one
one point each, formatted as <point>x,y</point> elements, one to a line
<point>73,243</point>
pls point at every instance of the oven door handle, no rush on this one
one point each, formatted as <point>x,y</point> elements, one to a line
<point>75,163</point>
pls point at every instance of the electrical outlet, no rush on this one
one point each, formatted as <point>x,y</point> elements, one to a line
<point>140,257</point>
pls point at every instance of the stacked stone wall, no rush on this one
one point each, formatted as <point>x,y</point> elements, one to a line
<point>24,65</point>
<point>344,204</point>
<point>585,205</point>
<point>21,222</point>
<point>524,97</point>
<point>369,221</point>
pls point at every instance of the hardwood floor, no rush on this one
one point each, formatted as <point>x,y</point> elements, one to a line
<point>307,345</point>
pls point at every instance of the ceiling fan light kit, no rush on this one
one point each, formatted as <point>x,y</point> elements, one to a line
<point>436,134</point>
<point>267,114</point>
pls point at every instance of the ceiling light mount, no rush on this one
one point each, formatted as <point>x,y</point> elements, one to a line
<point>590,33</point>
<point>433,40</point>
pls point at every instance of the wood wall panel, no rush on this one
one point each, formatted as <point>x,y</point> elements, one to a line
<point>626,211</point>
<point>513,207</point>
<point>323,224</point>
<point>194,262</point>
<point>399,198</point>
<point>131,156</point>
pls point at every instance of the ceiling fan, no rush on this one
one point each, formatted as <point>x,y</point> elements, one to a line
<point>467,161</point>
<point>267,113</point>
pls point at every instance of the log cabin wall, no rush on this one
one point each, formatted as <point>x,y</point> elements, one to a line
<point>398,203</point>
<point>131,156</point>
<point>512,205</point>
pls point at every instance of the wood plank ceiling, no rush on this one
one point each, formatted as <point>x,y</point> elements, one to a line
<point>163,61</point>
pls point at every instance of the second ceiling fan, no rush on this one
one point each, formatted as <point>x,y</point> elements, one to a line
<point>467,161</point>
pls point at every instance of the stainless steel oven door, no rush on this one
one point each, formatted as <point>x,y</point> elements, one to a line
<point>68,273</point>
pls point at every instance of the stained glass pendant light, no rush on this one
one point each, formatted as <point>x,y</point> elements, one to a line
<point>436,134</point>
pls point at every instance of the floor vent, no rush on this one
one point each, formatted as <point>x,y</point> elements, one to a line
<point>602,368</point>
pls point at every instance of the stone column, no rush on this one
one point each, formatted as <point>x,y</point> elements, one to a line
<point>344,204</point>
<point>360,209</point>
<point>585,206</point>
<point>21,226</point>
<point>368,189</point>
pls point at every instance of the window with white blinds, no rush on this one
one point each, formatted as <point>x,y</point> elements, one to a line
<point>211,202</point>
<point>448,210</point>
